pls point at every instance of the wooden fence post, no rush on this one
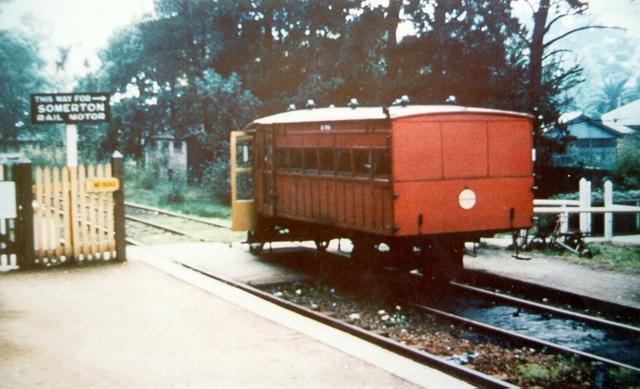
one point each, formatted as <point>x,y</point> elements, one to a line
<point>585,202</point>
<point>24,222</point>
<point>608,216</point>
<point>117,169</point>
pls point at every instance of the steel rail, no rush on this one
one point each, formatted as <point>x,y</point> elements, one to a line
<point>544,307</point>
<point>521,337</point>
<point>221,223</point>
<point>165,228</point>
<point>480,278</point>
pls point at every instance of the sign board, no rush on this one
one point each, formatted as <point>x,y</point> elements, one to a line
<point>70,108</point>
<point>109,184</point>
<point>8,200</point>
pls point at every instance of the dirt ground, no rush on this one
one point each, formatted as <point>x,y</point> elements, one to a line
<point>559,273</point>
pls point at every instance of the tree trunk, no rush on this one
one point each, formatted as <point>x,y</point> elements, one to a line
<point>536,52</point>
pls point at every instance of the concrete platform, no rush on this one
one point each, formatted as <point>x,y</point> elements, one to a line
<point>130,325</point>
<point>235,263</point>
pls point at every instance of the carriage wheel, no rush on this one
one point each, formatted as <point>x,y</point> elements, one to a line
<point>256,248</point>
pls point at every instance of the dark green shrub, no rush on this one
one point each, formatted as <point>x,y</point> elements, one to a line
<point>216,181</point>
<point>173,192</point>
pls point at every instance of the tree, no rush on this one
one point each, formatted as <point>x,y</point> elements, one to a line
<point>20,75</point>
<point>162,73</point>
<point>613,93</point>
<point>549,73</point>
<point>628,162</point>
<point>461,48</point>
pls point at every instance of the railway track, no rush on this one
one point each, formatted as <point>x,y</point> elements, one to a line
<point>476,284</point>
<point>553,296</point>
<point>524,322</point>
<point>153,225</point>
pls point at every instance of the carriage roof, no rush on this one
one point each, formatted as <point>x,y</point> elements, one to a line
<point>332,114</point>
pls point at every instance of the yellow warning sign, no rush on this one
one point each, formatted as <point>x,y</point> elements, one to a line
<point>110,184</point>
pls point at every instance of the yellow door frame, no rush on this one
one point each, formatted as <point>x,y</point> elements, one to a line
<point>243,211</point>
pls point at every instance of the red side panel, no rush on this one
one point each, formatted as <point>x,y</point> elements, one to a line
<point>353,204</point>
<point>435,158</point>
<point>423,137</point>
<point>438,203</point>
<point>464,149</point>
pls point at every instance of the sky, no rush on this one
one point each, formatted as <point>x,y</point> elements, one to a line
<point>86,25</point>
<point>83,25</point>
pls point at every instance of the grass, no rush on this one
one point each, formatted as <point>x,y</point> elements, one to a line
<point>615,257</point>
<point>145,187</point>
<point>606,256</point>
<point>534,372</point>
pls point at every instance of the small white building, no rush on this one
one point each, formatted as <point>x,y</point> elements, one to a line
<point>168,155</point>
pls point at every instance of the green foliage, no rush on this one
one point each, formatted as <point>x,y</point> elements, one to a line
<point>534,373</point>
<point>624,378</point>
<point>143,186</point>
<point>613,93</point>
<point>173,192</point>
<point>216,181</point>
<point>614,257</point>
<point>20,75</point>
<point>628,162</point>
<point>206,68</point>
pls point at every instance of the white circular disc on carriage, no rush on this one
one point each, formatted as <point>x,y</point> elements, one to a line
<point>467,199</point>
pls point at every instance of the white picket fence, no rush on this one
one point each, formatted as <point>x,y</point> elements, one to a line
<point>583,207</point>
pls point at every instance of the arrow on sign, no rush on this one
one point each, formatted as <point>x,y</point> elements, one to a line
<point>99,98</point>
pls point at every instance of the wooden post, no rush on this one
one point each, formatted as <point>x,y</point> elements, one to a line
<point>117,169</point>
<point>564,219</point>
<point>608,216</point>
<point>24,221</point>
<point>585,202</point>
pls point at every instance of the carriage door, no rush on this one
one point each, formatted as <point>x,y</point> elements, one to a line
<point>243,205</point>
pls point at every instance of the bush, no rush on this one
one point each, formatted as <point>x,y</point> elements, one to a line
<point>140,176</point>
<point>216,181</point>
<point>628,164</point>
<point>173,193</point>
<point>174,190</point>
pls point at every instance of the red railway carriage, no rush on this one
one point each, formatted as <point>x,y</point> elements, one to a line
<point>420,179</point>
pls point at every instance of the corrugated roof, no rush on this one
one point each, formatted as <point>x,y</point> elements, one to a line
<point>578,117</point>
<point>372,113</point>
<point>627,115</point>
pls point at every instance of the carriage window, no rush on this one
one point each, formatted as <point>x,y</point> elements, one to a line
<point>281,159</point>
<point>243,155</point>
<point>310,160</point>
<point>244,189</point>
<point>362,162</point>
<point>326,161</point>
<point>295,159</point>
<point>382,164</point>
<point>343,161</point>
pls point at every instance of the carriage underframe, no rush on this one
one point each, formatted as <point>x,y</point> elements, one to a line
<point>437,257</point>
